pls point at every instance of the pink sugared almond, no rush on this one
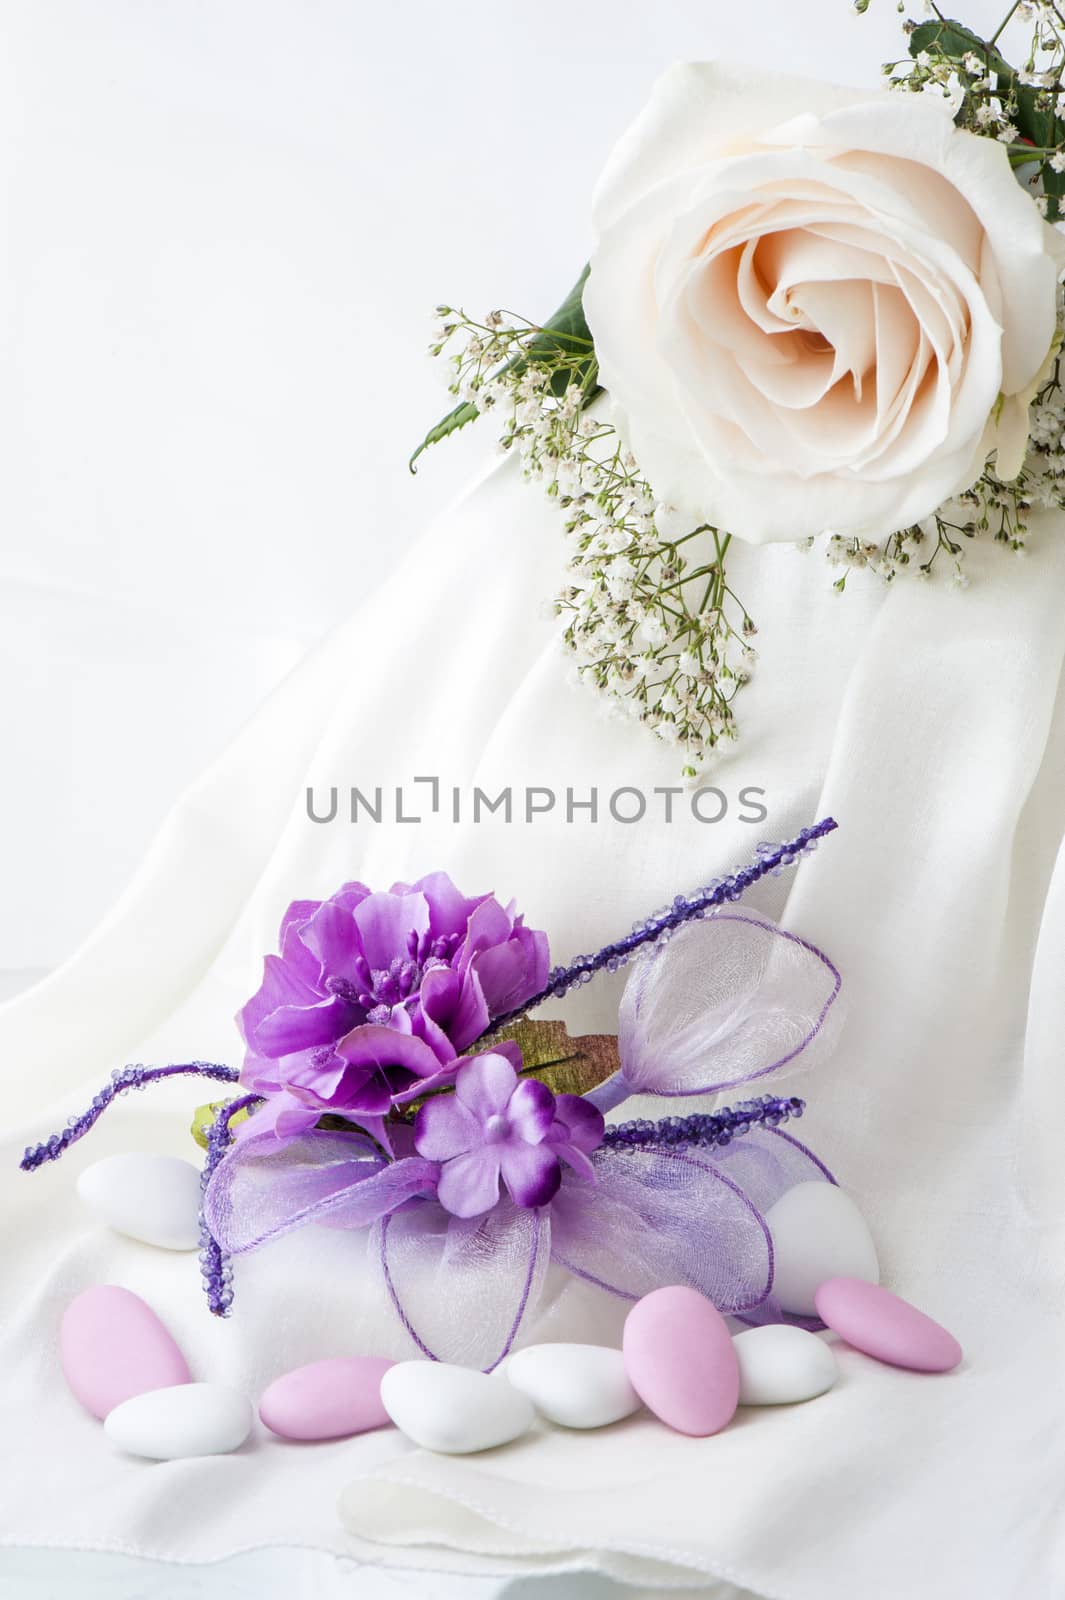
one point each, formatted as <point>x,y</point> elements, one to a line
<point>681,1361</point>
<point>331,1399</point>
<point>882,1325</point>
<point>112,1346</point>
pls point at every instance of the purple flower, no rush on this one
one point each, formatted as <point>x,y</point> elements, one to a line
<point>497,1126</point>
<point>420,960</point>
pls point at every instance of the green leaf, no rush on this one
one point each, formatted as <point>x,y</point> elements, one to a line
<point>567,1066</point>
<point>463,413</point>
<point>956,40</point>
<point>565,334</point>
<point>1041,127</point>
<point>568,329</point>
<point>204,1117</point>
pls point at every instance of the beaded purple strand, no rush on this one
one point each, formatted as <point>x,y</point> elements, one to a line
<point>216,1270</point>
<point>685,908</point>
<point>122,1079</point>
<point>703,1129</point>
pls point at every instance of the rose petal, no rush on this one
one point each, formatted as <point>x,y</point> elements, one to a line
<point>806,301</point>
<point>697,109</point>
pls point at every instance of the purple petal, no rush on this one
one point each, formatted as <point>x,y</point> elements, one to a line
<point>576,1159</point>
<point>281,986</point>
<point>513,972</point>
<point>445,1128</point>
<point>315,1075</point>
<point>530,1171</point>
<point>291,1029</point>
<point>428,1029</point>
<point>299,912</point>
<point>531,1110</point>
<point>449,910</point>
<point>485,1084</point>
<point>372,1045</point>
<point>444,1079</point>
<point>331,934</point>
<point>489,925</point>
<point>384,921</point>
<point>378,1128</point>
<point>472,1015</point>
<point>294,953</point>
<point>509,1048</point>
<point>281,1115</point>
<point>369,1095</point>
<point>349,895</point>
<point>261,1073</point>
<point>399,1019</point>
<point>453,1009</point>
<point>469,1184</point>
<point>583,1123</point>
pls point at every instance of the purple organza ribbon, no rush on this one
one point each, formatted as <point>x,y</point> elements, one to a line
<point>727,1001</point>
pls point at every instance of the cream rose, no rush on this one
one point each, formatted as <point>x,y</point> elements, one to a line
<point>815,308</point>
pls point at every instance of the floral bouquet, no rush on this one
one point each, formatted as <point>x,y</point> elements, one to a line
<point>813,314</point>
<point>396,1085</point>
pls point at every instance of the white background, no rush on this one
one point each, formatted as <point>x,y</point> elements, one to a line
<point>227,224</point>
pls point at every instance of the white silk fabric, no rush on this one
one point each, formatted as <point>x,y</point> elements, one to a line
<point>930,724</point>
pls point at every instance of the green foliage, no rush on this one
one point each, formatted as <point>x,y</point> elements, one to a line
<point>567,1066</point>
<point>204,1117</point>
<point>563,345</point>
<point>464,412</point>
<point>1032,108</point>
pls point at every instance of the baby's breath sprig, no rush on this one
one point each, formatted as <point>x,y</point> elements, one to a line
<point>648,614</point>
<point>647,611</point>
<point>1019,106</point>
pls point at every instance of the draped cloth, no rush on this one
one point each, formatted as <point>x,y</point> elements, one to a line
<point>930,724</point>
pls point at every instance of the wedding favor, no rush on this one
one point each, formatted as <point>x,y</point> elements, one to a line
<point>397,1085</point>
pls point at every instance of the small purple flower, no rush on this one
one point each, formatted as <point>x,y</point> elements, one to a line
<point>421,960</point>
<point>497,1126</point>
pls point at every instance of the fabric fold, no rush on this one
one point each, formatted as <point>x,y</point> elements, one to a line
<point>929,724</point>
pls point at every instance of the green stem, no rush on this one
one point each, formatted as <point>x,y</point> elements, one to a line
<point>1004,24</point>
